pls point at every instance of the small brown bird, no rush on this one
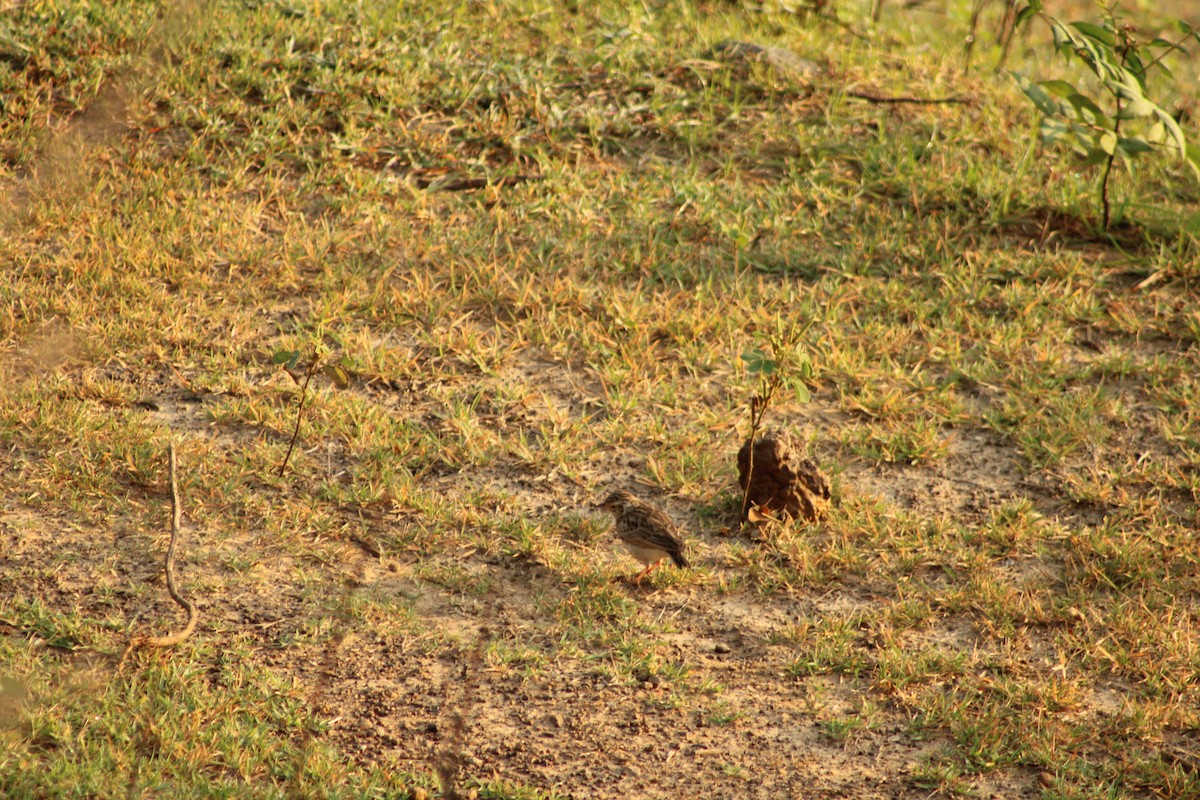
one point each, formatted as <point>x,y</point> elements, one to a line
<point>649,534</point>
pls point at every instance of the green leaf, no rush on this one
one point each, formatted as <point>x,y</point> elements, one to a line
<point>802,393</point>
<point>1156,133</point>
<point>1044,102</point>
<point>1172,127</point>
<point>1096,33</point>
<point>1060,88</point>
<point>1133,145</point>
<point>338,375</point>
<point>1193,158</point>
<point>1099,58</point>
<point>1127,87</point>
<point>1137,109</point>
<point>758,362</point>
<point>1134,64</point>
<point>1095,156</point>
<point>1161,66</point>
<point>284,356</point>
<point>1054,130</point>
<point>1158,41</point>
<point>1063,36</point>
<point>1028,11</point>
<point>1087,109</point>
<point>1107,142</point>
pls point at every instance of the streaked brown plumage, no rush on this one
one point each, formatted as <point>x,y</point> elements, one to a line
<point>648,533</point>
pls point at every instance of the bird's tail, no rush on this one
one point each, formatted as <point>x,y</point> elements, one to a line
<point>679,560</point>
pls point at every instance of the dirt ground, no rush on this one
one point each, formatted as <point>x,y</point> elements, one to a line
<point>411,702</point>
<point>474,678</point>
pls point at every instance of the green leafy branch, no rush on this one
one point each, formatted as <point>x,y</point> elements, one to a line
<point>1121,120</point>
<point>789,372</point>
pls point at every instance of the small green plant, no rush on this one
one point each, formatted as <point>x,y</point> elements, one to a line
<point>290,361</point>
<point>1121,119</point>
<point>789,372</point>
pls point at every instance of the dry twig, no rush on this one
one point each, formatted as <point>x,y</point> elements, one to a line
<point>874,98</point>
<point>759,404</point>
<point>312,368</point>
<point>172,639</point>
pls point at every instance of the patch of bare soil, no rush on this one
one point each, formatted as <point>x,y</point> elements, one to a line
<point>570,727</point>
<point>573,729</point>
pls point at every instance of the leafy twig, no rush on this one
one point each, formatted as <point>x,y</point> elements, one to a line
<point>312,368</point>
<point>771,376</point>
<point>1123,49</point>
<point>1131,123</point>
<point>758,409</point>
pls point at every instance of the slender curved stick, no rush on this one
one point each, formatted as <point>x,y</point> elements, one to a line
<point>172,639</point>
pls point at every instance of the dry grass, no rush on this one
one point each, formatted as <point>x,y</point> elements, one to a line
<point>537,240</point>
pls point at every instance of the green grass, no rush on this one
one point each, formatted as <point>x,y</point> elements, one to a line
<point>1004,395</point>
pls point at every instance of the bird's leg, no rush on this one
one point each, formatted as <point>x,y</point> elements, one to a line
<point>637,581</point>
